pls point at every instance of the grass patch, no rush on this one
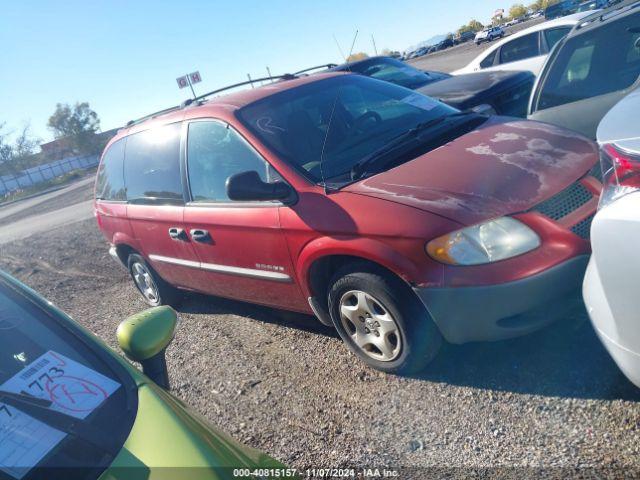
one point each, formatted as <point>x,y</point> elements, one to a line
<point>47,184</point>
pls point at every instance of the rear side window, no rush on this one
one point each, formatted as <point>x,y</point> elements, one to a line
<point>489,59</point>
<point>520,48</point>
<point>594,63</point>
<point>554,35</point>
<point>110,181</point>
<point>152,165</point>
<point>214,153</point>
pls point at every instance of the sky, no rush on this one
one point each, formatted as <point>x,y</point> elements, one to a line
<point>123,57</point>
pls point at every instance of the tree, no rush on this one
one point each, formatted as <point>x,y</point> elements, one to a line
<point>78,123</point>
<point>472,26</point>
<point>354,57</point>
<point>541,4</point>
<point>6,150</point>
<point>517,10</point>
<point>18,155</point>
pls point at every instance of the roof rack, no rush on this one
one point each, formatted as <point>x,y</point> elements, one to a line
<point>327,65</point>
<point>151,115</point>
<point>286,76</point>
<point>189,101</point>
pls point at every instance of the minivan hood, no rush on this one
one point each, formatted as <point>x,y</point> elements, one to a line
<point>503,167</point>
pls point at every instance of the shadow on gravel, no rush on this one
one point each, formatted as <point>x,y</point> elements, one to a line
<point>566,359</point>
<point>197,303</point>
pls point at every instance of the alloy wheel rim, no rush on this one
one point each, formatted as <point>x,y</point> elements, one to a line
<point>145,283</point>
<point>370,325</point>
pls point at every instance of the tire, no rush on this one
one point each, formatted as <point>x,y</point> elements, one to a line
<point>158,292</point>
<point>376,302</point>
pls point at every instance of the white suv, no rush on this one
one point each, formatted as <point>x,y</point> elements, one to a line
<point>489,34</point>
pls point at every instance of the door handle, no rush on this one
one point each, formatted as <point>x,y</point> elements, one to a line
<point>200,235</point>
<point>177,233</point>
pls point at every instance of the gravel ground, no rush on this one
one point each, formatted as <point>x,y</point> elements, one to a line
<point>285,384</point>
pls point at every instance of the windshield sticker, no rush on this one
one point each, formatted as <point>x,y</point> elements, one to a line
<point>420,101</point>
<point>73,388</point>
<point>24,441</point>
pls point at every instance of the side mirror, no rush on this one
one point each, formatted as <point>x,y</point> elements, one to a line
<point>144,337</point>
<point>248,186</point>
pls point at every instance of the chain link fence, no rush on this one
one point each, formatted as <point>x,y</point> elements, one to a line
<point>42,173</point>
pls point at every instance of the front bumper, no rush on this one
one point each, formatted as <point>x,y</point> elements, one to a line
<point>496,312</point>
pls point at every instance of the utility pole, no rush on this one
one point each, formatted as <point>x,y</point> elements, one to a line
<point>373,40</point>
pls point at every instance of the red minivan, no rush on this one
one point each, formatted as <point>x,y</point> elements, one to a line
<point>389,215</point>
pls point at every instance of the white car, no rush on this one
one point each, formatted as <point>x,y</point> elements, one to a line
<point>488,35</point>
<point>611,283</point>
<point>526,49</point>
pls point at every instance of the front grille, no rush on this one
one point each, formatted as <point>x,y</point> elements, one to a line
<point>565,202</point>
<point>583,227</point>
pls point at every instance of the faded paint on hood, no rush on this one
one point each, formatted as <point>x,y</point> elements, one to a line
<point>503,167</point>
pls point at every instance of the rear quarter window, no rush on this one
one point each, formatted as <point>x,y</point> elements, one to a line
<point>489,60</point>
<point>110,179</point>
<point>520,48</point>
<point>152,165</point>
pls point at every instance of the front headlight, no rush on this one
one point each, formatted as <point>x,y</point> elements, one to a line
<point>487,242</point>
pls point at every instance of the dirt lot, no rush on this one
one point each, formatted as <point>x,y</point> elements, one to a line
<point>287,385</point>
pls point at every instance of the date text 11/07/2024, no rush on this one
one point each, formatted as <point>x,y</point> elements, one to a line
<point>316,473</point>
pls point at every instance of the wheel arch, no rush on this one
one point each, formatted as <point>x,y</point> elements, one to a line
<point>319,261</point>
<point>124,246</point>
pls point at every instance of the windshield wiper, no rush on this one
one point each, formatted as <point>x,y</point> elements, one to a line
<point>39,408</point>
<point>381,155</point>
<point>24,398</point>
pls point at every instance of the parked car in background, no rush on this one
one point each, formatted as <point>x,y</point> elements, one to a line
<point>492,93</point>
<point>611,283</point>
<point>446,43</point>
<point>421,51</point>
<point>561,9</point>
<point>503,93</point>
<point>488,35</point>
<point>524,50</point>
<point>590,70</point>
<point>387,69</point>
<point>592,5</point>
<point>70,408</point>
<point>464,37</point>
<point>395,218</point>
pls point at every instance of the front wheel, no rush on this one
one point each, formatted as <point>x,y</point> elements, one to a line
<point>381,320</point>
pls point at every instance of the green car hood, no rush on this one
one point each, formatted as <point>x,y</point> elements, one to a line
<point>170,441</point>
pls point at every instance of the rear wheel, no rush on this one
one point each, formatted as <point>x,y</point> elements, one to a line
<point>154,290</point>
<point>381,320</point>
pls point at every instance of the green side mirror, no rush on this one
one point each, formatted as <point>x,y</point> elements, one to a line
<point>144,337</point>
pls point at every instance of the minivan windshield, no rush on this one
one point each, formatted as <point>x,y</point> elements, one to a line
<point>340,120</point>
<point>58,396</point>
